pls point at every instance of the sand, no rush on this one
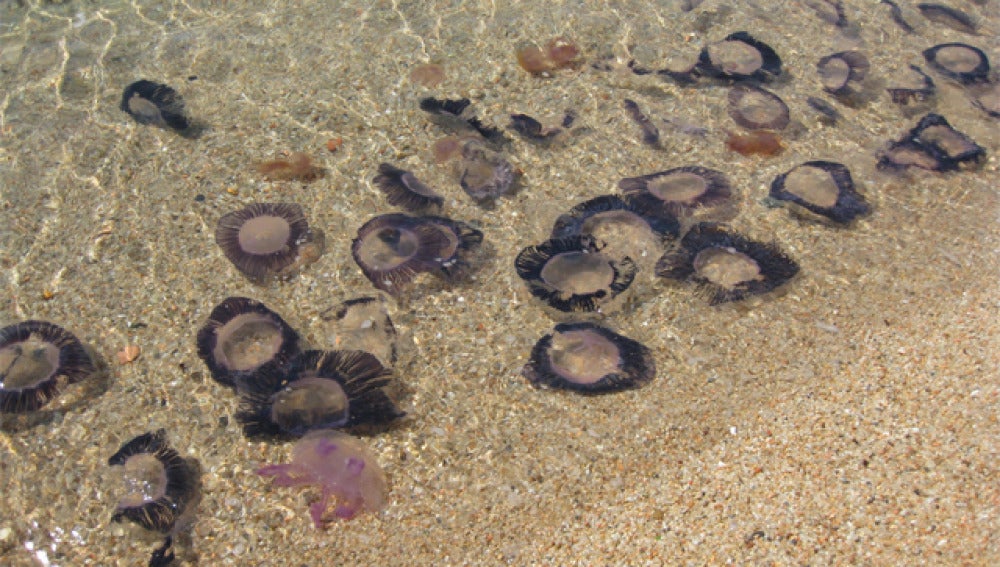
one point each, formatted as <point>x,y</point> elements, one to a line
<point>851,419</point>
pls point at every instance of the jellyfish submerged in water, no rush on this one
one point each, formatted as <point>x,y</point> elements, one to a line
<point>342,467</point>
<point>162,489</point>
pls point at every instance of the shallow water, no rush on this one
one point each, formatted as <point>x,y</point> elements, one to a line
<point>851,419</point>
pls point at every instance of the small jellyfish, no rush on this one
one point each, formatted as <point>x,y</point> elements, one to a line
<point>950,17</point>
<point>152,103</point>
<point>757,109</point>
<point>485,174</point>
<point>830,11</point>
<point>267,240</point>
<point>162,489</point>
<point>559,53</point>
<point>321,389</point>
<point>932,144</point>
<point>650,133</point>
<point>364,324</point>
<point>822,187</point>
<point>824,108</point>
<point>842,73</point>
<point>728,266</point>
<point>392,249</point>
<point>986,98</point>
<point>37,359</point>
<point>531,129</point>
<point>428,75</point>
<point>240,336</point>
<point>963,63</point>
<point>573,275</point>
<point>403,189</point>
<point>455,114</point>
<point>626,228</point>
<point>678,191</point>
<point>342,466</point>
<point>905,95</point>
<point>588,358</point>
<point>454,259</point>
<point>741,57</point>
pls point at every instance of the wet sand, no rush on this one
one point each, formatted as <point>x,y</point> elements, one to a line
<point>850,420</point>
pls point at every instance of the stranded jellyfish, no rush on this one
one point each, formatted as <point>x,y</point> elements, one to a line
<point>678,191</point>
<point>589,358</point>
<point>821,187</point>
<point>240,336</point>
<point>161,489</point>
<point>37,359</point>
<point>573,274</point>
<point>342,467</point>
<point>152,103</point>
<point>739,56</point>
<point>320,389</point>
<point>403,189</point>
<point>728,266</point>
<point>268,239</point>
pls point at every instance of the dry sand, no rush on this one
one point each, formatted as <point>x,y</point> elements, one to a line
<point>851,420</point>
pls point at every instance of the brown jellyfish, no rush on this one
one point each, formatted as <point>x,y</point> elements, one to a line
<point>821,187</point>
<point>728,266</point>
<point>152,103</point>
<point>678,191</point>
<point>320,389</point>
<point>741,57</point>
<point>266,240</point>
<point>757,109</point>
<point>588,358</point>
<point>572,274</point>
<point>403,189</point>
<point>162,489</point>
<point>37,359</point>
<point>240,336</point>
<point>392,249</point>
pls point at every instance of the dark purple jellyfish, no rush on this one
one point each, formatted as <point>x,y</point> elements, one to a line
<point>824,188</point>
<point>727,266</point>
<point>319,389</point>
<point>678,191</point>
<point>740,57</point>
<point>573,274</point>
<point>403,189</point>
<point>37,359</point>
<point>932,144</point>
<point>240,336</point>
<point>266,240</point>
<point>588,358</point>
<point>393,249</point>
<point>152,103</point>
<point>162,489</point>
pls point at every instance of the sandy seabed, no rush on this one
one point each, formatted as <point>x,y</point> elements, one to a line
<point>850,420</point>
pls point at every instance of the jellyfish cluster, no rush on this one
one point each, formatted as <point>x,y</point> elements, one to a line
<point>668,225</point>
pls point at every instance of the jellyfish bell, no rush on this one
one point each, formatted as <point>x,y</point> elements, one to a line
<point>266,240</point>
<point>240,336</point>
<point>37,360</point>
